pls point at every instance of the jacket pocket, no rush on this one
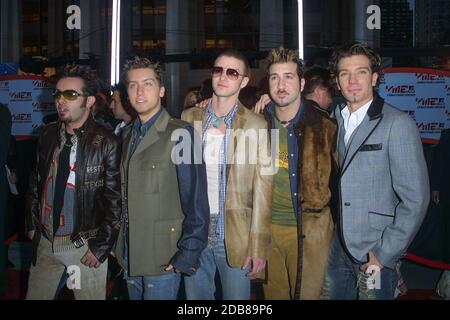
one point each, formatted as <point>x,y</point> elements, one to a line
<point>380,221</point>
<point>371,147</point>
<point>167,234</point>
<point>154,176</point>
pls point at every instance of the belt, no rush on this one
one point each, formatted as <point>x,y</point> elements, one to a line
<point>80,239</point>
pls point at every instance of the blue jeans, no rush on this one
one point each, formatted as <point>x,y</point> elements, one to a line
<point>163,287</point>
<point>201,285</point>
<point>345,281</point>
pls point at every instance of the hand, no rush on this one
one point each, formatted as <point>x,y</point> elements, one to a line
<point>373,261</point>
<point>257,266</point>
<point>202,104</point>
<point>435,195</point>
<point>89,260</point>
<point>170,267</point>
<point>30,234</point>
<point>262,103</point>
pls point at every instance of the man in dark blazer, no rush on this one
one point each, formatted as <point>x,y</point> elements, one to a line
<point>440,183</point>
<point>383,186</point>
<point>5,135</point>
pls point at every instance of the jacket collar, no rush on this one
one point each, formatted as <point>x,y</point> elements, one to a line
<point>375,108</point>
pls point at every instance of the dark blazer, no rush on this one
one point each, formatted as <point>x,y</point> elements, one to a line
<point>5,135</point>
<point>440,170</point>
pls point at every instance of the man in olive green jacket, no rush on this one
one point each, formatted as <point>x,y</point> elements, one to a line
<point>165,208</point>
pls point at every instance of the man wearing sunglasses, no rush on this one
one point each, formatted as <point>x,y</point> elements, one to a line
<point>239,194</point>
<point>74,201</point>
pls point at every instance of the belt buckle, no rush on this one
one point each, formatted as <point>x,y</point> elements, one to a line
<point>78,242</point>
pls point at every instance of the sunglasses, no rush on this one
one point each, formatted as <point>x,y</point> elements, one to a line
<point>232,74</point>
<point>70,95</point>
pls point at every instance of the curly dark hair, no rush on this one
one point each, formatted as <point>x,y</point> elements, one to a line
<point>91,82</point>
<point>354,49</point>
<point>144,63</point>
<point>282,55</point>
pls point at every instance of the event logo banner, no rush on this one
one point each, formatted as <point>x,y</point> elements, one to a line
<point>29,99</point>
<point>422,93</point>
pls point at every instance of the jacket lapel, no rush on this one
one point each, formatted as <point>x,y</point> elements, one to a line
<point>238,123</point>
<point>153,134</point>
<point>126,138</point>
<point>363,132</point>
<point>340,135</point>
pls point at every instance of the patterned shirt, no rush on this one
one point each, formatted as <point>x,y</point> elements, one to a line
<point>217,221</point>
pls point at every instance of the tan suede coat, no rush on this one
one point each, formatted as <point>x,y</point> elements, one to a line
<point>248,205</point>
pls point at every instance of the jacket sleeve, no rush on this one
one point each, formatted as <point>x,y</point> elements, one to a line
<point>194,202</point>
<point>108,231</point>
<point>262,199</point>
<point>410,183</point>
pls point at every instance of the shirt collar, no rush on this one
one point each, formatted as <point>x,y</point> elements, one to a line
<point>271,110</point>
<point>142,129</point>
<point>359,114</point>
<point>227,118</point>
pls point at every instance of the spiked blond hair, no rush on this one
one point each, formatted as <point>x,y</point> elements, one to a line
<point>282,55</point>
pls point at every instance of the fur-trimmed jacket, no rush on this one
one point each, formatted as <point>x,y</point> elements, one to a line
<point>317,165</point>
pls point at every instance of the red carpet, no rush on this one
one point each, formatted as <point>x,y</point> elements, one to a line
<point>17,286</point>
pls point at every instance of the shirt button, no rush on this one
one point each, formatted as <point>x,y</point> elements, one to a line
<point>172,229</point>
<point>290,134</point>
<point>292,154</point>
<point>295,194</point>
<point>293,174</point>
<point>347,204</point>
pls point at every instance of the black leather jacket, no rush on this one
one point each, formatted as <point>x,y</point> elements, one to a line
<point>97,209</point>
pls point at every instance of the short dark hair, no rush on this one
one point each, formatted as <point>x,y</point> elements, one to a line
<point>91,83</point>
<point>144,63</point>
<point>237,55</point>
<point>317,76</point>
<point>282,55</point>
<point>123,93</point>
<point>353,49</point>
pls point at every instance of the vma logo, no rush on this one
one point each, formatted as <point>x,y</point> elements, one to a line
<point>429,78</point>
<point>402,90</point>
<point>432,103</point>
<point>20,96</point>
<point>4,85</point>
<point>41,84</point>
<point>43,106</point>
<point>21,118</point>
<point>74,280</point>
<point>431,127</point>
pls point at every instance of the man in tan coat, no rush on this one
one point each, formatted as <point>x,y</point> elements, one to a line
<point>302,224</point>
<point>239,174</point>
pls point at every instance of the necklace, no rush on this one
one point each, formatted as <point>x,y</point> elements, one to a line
<point>284,122</point>
<point>216,119</point>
